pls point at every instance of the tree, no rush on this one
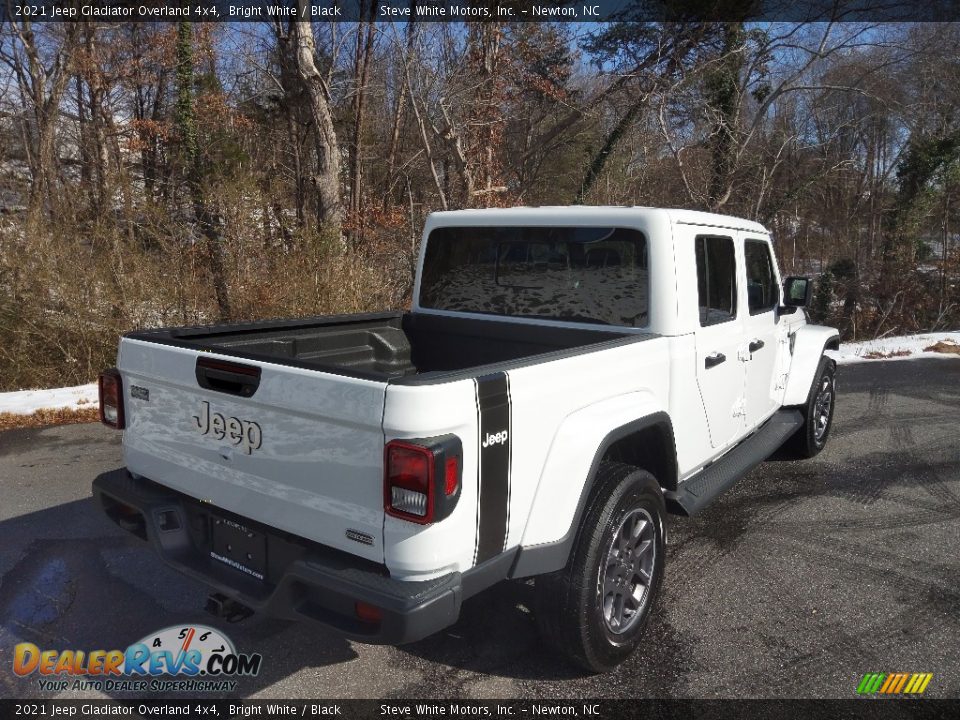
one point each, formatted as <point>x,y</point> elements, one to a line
<point>723,90</point>
<point>42,69</point>
<point>646,57</point>
<point>363,52</point>
<point>326,181</point>
<point>925,158</point>
<point>205,214</point>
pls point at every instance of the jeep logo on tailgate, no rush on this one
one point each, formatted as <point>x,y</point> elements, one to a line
<point>244,433</point>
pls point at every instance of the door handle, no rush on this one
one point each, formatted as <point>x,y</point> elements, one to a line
<point>714,359</point>
<point>755,345</point>
<point>227,377</point>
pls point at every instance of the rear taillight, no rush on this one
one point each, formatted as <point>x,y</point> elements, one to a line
<point>451,480</point>
<point>111,399</point>
<point>410,482</point>
<point>422,478</point>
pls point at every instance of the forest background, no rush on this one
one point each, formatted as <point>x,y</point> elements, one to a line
<point>179,174</point>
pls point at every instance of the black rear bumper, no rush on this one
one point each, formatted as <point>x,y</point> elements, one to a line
<point>303,580</point>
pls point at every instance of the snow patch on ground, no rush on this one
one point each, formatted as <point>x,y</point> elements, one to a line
<point>903,347</point>
<point>26,402</point>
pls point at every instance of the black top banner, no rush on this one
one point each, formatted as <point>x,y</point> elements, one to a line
<point>579,11</point>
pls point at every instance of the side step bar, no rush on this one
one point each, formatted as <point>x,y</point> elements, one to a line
<point>697,492</point>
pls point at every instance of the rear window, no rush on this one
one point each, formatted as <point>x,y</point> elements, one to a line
<point>578,274</point>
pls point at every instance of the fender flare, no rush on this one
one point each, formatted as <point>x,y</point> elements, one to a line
<point>551,556</point>
<point>807,345</point>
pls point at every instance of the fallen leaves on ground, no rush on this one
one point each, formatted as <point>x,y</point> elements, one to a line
<point>879,355</point>
<point>944,346</point>
<point>41,418</point>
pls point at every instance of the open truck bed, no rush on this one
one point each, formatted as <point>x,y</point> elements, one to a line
<point>398,347</point>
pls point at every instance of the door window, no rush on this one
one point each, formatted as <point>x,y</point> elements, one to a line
<point>716,279</point>
<point>762,292</point>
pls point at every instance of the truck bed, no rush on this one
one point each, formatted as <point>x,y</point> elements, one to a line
<point>387,346</point>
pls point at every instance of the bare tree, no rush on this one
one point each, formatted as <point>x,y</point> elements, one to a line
<point>326,181</point>
<point>400,104</point>
<point>363,52</point>
<point>205,213</point>
<point>42,71</point>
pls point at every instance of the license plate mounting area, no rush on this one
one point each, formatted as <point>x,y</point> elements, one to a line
<point>239,547</point>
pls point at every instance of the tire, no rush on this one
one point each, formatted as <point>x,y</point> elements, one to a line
<point>812,436</point>
<point>574,613</point>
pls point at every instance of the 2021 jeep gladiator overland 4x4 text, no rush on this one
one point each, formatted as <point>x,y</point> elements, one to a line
<point>565,377</point>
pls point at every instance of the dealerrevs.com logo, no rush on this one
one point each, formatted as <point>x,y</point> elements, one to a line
<point>192,658</point>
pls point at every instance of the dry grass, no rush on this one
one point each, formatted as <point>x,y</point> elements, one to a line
<point>42,418</point>
<point>64,304</point>
<point>944,346</point>
<point>880,355</point>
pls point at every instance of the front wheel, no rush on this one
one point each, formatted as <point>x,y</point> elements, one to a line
<point>595,609</point>
<point>812,436</point>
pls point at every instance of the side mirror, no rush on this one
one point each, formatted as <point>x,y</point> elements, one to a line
<point>797,292</point>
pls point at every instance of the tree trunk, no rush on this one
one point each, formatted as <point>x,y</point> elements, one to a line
<point>487,116</point>
<point>92,132</point>
<point>292,104</point>
<point>43,183</point>
<point>300,182</point>
<point>723,90</point>
<point>149,95</point>
<point>208,220</point>
<point>45,88</point>
<point>599,161</point>
<point>326,182</point>
<point>425,139</point>
<point>458,153</point>
<point>400,108</point>
<point>364,51</point>
<point>86,156</point>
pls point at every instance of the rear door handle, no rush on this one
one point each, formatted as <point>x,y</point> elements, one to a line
<point>714,359</point>
<point>755,345</point>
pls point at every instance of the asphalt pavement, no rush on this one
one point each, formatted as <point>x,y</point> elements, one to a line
<point>795,583</point>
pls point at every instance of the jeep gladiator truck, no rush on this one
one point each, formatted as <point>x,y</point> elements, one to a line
<point>565,377</point>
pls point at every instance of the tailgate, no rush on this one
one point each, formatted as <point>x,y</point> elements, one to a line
<point>303,454</point>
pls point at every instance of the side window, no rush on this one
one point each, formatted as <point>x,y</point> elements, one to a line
<point>762,291</point>
<point>716,279</point>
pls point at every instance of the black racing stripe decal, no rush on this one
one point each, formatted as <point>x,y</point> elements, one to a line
<point>506,530</point>
<point>494,453</point>
<point>476,542</point>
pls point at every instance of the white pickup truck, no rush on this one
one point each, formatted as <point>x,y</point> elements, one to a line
<point>565,377</point>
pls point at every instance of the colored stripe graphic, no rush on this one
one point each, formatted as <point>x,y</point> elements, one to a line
<point>894,683</point>
<point>871,683</point>
<point>903,681</point>
<point>889,683</point>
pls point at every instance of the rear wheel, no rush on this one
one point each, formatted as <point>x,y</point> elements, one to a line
<point>595,609</point>
<point>812,436</point>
